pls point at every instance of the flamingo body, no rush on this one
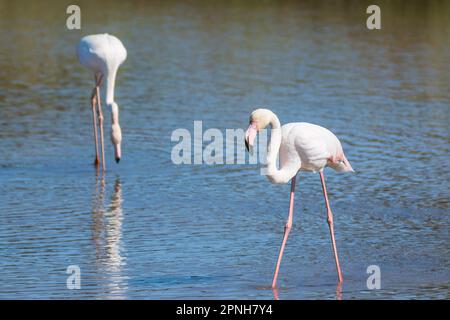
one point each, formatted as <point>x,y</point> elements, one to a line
<point>311,148</point>
<point>101,53</point>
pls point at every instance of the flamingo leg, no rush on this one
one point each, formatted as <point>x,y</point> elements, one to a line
<point>94,122</point>
<point>100,117</point>
<point>330,224</point>
<point>287,229</point>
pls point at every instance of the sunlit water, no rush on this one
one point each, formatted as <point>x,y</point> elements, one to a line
<point>150,229</point>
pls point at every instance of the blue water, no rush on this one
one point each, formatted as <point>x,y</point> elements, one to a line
<point>149,229</point>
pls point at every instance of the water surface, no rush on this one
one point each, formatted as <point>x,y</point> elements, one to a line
<point>150,229</point>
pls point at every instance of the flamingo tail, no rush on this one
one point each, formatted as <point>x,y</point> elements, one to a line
<point>341,166</point>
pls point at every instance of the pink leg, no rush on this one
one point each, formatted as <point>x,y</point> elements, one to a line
<point>94,119</point>
<point>98,80</point>
<point>100,120</point>
<point>330,224</point>
<point>287,229</point>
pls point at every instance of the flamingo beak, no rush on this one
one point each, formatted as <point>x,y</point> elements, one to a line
<point>117,152</point>
<point>250,136</point>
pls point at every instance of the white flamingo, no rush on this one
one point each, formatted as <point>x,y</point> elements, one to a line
<point>302,147</point>
<point>103,54</point>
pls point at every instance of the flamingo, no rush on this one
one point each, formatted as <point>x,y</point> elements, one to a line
<point>103,54</point>
<point>302,147</point>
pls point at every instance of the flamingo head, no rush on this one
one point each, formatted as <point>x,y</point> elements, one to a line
<point>259,119</point>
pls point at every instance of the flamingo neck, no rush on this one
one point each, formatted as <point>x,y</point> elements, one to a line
<point>110,84</point>
<point>114,113</point>
<point>274,144</point>
<point>274,174</point>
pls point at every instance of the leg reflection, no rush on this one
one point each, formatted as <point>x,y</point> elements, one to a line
<point>275,293</point>
<point>339,291</point>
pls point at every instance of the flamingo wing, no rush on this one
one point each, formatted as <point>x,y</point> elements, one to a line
<point>316,147</point>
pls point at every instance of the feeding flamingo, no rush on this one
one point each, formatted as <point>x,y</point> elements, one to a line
<point>302,147</point>
<point>103,54</point>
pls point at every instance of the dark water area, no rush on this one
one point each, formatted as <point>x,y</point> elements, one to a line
<point>150,229</point>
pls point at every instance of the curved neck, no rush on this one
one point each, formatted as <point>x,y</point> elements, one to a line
<point>285,173</point>
<point>274,145</point>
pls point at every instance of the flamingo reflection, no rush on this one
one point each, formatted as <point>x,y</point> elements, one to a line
<point>107,237</point>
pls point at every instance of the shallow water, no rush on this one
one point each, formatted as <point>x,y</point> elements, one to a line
<point>150,229</point>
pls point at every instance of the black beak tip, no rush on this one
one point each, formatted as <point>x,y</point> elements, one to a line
<point>246,145</point>
<point>117,160</point>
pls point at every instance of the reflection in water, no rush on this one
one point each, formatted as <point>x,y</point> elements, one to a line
<point>107,236</point>
<point>338,292</point>
<point>275,294</point>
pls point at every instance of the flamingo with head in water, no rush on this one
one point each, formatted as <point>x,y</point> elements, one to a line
<point>302,147</point>
<point>103,54</point>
